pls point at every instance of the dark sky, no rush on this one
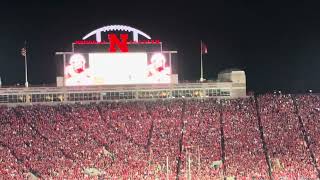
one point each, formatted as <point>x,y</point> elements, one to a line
<point>277,43</point>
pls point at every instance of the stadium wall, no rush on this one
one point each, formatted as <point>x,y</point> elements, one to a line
<point>14,95</point>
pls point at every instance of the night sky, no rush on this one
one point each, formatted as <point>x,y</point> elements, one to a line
<point>277,43</point>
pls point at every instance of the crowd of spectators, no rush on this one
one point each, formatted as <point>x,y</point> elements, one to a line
<point>201,140</point>
<point>244,156</point>
<point>289,155</point>
<point>198,138</point>
<point>166,136</point>
<point>309,111</point>
<point>126,139</point>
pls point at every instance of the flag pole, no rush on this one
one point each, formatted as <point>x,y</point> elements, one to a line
<point>201,65</point>
<point>25,64</point>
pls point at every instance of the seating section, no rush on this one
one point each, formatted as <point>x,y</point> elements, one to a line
<point>201,140</point>
<point>244,155</point>
<point>284,138</point>
<point>249,138</point>
<point>309,111</point>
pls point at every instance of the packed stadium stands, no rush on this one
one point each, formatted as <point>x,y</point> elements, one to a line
<point>260,137</point>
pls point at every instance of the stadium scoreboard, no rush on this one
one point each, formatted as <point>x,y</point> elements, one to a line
<point>116,60</point>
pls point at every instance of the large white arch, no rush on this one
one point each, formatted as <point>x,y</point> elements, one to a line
<point>135,32</point>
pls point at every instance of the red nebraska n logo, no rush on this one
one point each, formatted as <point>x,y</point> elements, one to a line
<point>114,41</point>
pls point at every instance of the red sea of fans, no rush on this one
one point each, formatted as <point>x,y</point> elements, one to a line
<point>249,138</point>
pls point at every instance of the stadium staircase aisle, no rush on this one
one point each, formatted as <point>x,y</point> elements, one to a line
<point>265,148</point>
<point>181,139</point>
<point>305,134</point>
<point>222,140</point>
<point>200,141</point>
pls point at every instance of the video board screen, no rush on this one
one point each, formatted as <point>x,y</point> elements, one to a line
<point>117,68</point>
